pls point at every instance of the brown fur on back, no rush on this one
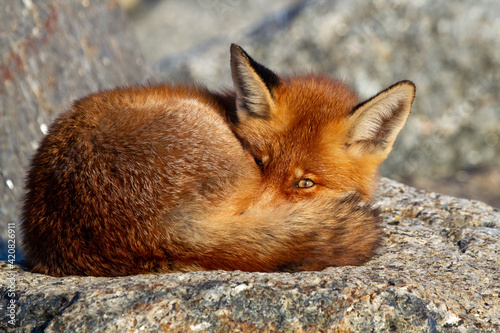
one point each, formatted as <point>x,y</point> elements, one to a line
<point>113,167</point>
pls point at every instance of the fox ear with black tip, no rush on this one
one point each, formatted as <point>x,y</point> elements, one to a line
<point>254,85</point>
<point>375,123</point>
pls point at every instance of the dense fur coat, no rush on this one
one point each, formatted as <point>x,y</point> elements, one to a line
<point>276,176</point>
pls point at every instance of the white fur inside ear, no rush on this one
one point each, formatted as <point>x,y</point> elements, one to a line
<point>378,121</point>
<point>252,94</point>
<point>252,83</point>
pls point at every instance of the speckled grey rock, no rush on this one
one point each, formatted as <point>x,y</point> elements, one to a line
<point>438,271</point>
<point>448,48</point>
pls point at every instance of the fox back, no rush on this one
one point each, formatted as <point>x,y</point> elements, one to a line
<point>277,175</point>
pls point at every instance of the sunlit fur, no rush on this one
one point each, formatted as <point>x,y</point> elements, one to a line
<point>313,117</point>
<point>164,178</point>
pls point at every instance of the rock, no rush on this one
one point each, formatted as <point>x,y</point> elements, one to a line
<point>449,49</point>
<point>52,53</point>
<point>437,271</point>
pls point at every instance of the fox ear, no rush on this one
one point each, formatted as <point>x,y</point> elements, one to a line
<point>376,122</point>
<point>254,85</point>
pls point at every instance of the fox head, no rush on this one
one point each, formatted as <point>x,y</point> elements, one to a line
<point>311,135</point>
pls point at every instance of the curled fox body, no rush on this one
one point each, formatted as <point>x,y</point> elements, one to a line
<point>275,176</point>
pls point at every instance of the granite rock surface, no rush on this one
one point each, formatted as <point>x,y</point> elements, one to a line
<point>437,271</point>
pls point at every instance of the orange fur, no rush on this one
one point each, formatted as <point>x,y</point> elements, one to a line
<point>277,176</point>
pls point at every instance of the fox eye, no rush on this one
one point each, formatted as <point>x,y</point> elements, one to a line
<point>305,183</point>
<point>258,162</point>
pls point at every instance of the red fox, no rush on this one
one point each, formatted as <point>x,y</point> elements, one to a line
<point>277,175</point>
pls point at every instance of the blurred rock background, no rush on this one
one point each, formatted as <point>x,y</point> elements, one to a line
<point>451,143</point>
